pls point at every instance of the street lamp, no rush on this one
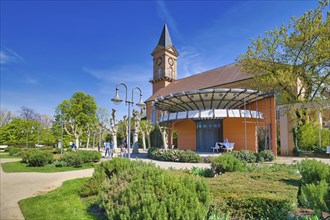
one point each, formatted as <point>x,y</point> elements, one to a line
<point>27,136</point>
<point>117,100</point>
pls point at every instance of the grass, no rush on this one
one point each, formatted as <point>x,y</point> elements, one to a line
<point>18,166</point>
<point>62,203</point>
<point>277,185</point>
<point>6,155</point>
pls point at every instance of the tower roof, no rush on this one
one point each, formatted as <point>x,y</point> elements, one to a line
<point>165,39</point>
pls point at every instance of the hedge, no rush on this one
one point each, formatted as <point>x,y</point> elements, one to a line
<point>37,158</point>
<point>136,190</point>
<point>174,155</point>
<point>262,195</point>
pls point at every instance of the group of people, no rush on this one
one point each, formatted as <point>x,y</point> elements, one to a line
<point>109,149</point>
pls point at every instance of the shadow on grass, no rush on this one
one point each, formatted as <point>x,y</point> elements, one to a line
<point>292,182</point>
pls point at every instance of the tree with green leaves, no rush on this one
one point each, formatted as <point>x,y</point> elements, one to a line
<point>146,128</point>
<point>77,114</point>
<point>294,60</point>
<point>24,132</point>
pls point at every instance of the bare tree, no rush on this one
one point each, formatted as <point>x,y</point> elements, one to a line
<point>5,117</point>
<point>28,113</point>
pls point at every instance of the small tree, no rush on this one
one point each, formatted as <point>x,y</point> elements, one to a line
<point>293,61</point>
<point>146,128</point>
<point>77,113</point>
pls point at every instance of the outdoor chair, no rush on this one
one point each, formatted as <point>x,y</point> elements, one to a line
<point>216,147</point>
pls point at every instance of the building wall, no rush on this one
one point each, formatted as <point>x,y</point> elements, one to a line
<point>267,107</point>
<point>233,129</point>
<point>158,85</point>
<point>186,131</point>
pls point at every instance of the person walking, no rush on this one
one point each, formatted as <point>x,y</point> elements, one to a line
<point>107,149</point>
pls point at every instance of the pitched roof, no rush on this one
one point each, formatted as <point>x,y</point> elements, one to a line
<point>165,39</point>
<point>216,77</point>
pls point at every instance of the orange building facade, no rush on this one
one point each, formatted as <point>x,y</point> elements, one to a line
<point>208,107</point>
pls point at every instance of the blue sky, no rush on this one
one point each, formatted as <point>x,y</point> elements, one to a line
<point>52,49</point>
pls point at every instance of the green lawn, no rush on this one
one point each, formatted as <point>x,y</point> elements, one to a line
<point>62,203</point>
<point>18,166</point>
<point>6,155</point>
<point>244,190</point>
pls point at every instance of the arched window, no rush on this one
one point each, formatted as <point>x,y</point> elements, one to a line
<point>171,73</point>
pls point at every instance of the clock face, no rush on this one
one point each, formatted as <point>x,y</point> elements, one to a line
<point>159,61</point>
<point>170,61</point>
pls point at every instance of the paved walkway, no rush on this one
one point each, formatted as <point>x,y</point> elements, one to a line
<point>17,186</point>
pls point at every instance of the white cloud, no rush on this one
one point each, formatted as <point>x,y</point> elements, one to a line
<point>128,73</point>
<point>29,80</point>
<point>9,56</point>
<point>190,62</point>
<point>166,16</point>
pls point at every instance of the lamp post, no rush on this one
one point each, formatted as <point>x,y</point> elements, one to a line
<point>117,100</point>
<point>27,136</point>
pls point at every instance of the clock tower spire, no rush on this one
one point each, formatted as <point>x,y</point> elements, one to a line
<point>164,62</point>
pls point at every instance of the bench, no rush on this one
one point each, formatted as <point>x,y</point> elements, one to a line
<point>2,147</point>
<point>221,145</point>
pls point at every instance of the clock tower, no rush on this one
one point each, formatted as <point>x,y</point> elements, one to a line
<point>164,62</point>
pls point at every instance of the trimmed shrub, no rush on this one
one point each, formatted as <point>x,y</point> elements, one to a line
<point>226,163</point>
<point>316,196</point>
<point>13,151</point>
<point>204,172</point>
<point>257,195</point>
<point>313,171</point>
<point>137,190</point>
<point>78,158</point>
<point>89,156</point>
<point>37,158</point>
<point>245,155</point>
<point>266,155</point>
<point>72,159</point>
<point>174,155</point>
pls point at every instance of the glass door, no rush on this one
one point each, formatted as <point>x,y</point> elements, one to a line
<point>208,132</point>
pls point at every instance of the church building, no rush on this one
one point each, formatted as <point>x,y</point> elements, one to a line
<point>208,107</point>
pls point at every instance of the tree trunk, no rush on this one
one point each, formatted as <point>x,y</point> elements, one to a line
<point>135,142</point>
<point>77,142</point>
<point>144,141</point>
<point>149,141</point>
<point>94,139</point>
<point>89,135</point>
<point>114,139</point>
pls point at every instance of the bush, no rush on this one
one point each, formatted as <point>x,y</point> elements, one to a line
<point>226,163</point>
<point>205,172</point>
<point>37,158</point>
<point>72,159</point>
<point>13,151</point>
<point>316,196</point>
<point>137,190</point>
<point>174,155</point>
<point>313,171</point>
<point>266,155</point>
<point>78,158</point>
<point>256,195</point>
<point>90,156</point>
<point>245,155</point>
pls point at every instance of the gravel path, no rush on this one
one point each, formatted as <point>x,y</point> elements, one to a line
<point>17,186</point>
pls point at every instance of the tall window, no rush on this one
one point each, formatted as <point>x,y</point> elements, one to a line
<point>153,117</point>
<point>159,73</point>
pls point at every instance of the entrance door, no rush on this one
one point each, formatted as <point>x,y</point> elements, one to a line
<point>208,132</point>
